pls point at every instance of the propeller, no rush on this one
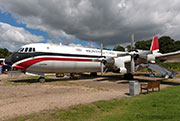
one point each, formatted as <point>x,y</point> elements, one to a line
<point>132,53</point>
<point>102,69</point>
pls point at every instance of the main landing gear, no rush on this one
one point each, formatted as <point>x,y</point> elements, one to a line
<point>74,76</point>
<point>129,76</point>
<point>41,79</point>
<point>93,74</point>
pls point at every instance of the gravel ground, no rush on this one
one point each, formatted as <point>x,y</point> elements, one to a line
<point>18,100</point>
<point>26,99</point>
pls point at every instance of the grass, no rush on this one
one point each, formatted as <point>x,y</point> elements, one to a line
<point>175,66</point>
<point>157,106</point>
<point>31,80</point>
<point>49,81</point>
<point>177,75</point>
<point>22,81</point>
<point>172,66</point>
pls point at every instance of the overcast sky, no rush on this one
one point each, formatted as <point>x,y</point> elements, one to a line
<point>107,21</point>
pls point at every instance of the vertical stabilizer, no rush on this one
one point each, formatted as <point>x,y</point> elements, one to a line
<point>155,45</point>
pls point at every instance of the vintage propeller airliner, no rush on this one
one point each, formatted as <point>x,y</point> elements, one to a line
<point>40,58</point>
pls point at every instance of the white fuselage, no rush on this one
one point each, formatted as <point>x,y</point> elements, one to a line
<point>50,58</point>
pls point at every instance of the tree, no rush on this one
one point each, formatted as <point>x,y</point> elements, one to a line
<point>128,48</point>
<point>166,44</point>
<point>143,45</point>
<point>176,45</point>
<point>4,53</point>
<point>119,48</point>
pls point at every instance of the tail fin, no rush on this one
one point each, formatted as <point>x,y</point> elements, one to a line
<point>155,45</point>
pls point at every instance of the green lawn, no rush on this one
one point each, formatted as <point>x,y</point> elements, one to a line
<point>172,66</point>
<point>157,106</point>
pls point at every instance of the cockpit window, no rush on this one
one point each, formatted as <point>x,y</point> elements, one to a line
<point>22,50</point>
<point>26,49</point>
<point>30,49</point>
<point>19,50</point>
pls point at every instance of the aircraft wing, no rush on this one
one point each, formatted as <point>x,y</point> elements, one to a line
<point>169,57</point>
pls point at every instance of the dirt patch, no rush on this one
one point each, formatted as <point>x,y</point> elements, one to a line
<point>26,99</point>
<point>18,100</point>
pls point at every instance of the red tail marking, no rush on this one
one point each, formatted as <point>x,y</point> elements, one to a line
<point>155,44</point>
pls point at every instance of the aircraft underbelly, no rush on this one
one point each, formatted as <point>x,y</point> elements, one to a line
<point>65,67</point>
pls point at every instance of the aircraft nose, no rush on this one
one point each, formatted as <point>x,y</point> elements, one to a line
<point>8,60</point>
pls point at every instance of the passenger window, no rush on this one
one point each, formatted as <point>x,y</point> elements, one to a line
<point>33,49</point>
<point>30,49</point>
<point>26,50</point>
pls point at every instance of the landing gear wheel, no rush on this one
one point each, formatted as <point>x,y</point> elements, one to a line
<point>129,76</point>
<point>74,76</point>
<point>41,79</point>
<point>93,74</point>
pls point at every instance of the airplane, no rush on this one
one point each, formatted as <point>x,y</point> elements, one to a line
<point>40,58</point>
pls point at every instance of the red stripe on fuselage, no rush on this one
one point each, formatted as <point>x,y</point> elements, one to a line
<point>26,64</point>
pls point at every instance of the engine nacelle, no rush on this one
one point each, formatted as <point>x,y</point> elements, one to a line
<point>109,61</point>
<point>119,64</point>
<point>123,70</point>
<point>151,58</point>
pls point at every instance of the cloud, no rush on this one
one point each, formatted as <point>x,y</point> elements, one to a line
<point>107,21</point>
<point>11,36</point>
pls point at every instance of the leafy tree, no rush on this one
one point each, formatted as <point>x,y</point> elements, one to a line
<point>4,52</point>
<point>119,48</point>
<point>128,48</point>
<point>143,45</point>
<point>176,45</point>
<point>166,44</point>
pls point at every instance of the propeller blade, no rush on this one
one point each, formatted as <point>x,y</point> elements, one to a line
<point>132,42</point>
<point>102,69</point>
<point>132,65</point>
<point>132,56</point>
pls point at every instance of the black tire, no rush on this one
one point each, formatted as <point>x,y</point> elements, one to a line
<point>93,74</point>
<point>129,76</point>
<point>41,79</point>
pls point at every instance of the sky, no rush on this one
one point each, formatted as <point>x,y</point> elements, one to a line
<point>86,22</point>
